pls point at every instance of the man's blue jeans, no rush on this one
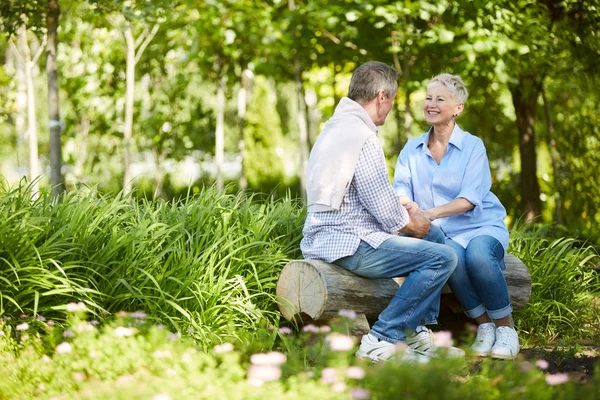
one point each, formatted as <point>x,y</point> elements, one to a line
<point>417,302</point>
<point>478,282</point>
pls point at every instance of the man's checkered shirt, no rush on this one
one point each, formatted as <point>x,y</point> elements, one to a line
<point>370,211</point>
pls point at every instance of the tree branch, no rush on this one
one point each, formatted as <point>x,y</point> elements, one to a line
<point>146,42</point>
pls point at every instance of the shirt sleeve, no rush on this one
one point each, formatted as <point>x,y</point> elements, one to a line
<point>477,180</point>
<point>403,176</point>
<point>374,190</point>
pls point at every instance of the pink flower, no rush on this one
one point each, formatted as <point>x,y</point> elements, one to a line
<point>329,375</point>
<point>24,337</point>
<point>355,373</point>
<point>310,328</point>
<point>22,327</point>
<point>442,339</point>
<point>325,329</point>
<point>284,330</point>
<point>139,315</point>
<point>360,394</point>
<point>557,379</point>
<point>542,364</point>
<point>68,334</point>
<point>64,348</point>
<point>2,333</point>
<point>339,342</point>
<point>78,376</point>
<point>350,314</point>
<point>50,323</point>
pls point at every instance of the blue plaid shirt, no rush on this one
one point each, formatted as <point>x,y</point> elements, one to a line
<point>370,211</point>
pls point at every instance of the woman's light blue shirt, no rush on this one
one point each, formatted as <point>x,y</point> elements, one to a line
<point>463,172</point>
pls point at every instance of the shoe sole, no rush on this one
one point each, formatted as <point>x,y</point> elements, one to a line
<point>504,356</point>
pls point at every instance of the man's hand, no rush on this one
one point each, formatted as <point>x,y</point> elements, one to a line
<point>418,225</point>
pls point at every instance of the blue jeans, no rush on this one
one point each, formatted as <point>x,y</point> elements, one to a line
<point>417,302</point>
<point>478,282</point>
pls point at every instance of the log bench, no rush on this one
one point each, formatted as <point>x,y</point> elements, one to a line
<point>315,291</point>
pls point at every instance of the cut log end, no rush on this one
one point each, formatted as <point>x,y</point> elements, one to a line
<point>301,291</point>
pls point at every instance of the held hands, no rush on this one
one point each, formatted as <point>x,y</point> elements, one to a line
<point>419,224</point>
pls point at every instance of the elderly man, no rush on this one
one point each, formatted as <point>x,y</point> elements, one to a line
<point>356,220</point>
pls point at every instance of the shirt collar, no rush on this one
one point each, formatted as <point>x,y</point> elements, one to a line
<point>456,139</point>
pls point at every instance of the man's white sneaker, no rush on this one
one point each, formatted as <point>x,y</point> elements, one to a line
<point>507,343</point>
<point>486,337</point>
<point>380,350</point>
<point>421,342</point>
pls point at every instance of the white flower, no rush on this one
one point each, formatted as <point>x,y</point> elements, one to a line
<point>76,307</point>
<point>22,327</point>
<point>122,331</point>
<point>310,328</point>
<point>329,375</point>
<point>138,315</point>
<point>338,387</point>
<point>360,394</point>
<point>265,373</point>
<point>271,358</point>
<point>85,327</point>
<point>284,330</point>
<point>64,348</point>
<point>339,342</point>
<point>223,348</point>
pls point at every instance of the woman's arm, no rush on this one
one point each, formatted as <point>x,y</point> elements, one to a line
<point>455,207</point>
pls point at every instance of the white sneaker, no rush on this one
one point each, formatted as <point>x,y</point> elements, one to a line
<point>379,350</point>
<point>486,337</point>
<point>507,343</point>
<point>421,342</point>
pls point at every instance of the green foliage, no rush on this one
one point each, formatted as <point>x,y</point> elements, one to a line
<point>564,286</point>
<point>130,358</point>
<point>207,264</point>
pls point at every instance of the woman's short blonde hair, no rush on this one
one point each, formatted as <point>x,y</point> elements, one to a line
<point>454,83</point>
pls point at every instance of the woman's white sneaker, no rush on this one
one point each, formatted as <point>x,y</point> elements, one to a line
<point>485,339</point>
<point>507,343</point>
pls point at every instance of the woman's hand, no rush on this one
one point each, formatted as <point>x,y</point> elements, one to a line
<point>430,214</point>
<point>411,206</point>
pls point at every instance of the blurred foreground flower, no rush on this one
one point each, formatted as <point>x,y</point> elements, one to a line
<point>329,375</point>
<point>442,339</point>
<point>542,364</point>
<point>339,342</point>
<point>350,314</point>
<point>355,373</point>
<point>271,358</point>
<point>64,348</point>
<point>122,331</point>
<point>557,379</point>
<point>310,328</point>
<point>223,348</point>
<point>22,327</point>
<point>360,394</point>
<point>76,307</point>
<point>284,330</point>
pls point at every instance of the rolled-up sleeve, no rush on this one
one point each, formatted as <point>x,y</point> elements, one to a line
<point>374,189</point>
<point>477,180</point>
<point>403,176</point>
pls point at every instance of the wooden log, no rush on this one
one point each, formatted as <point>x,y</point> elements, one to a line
<point>313,290</point>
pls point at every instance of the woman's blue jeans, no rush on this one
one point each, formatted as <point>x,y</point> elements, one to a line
<point>417,302</point>
<point>477,281</point>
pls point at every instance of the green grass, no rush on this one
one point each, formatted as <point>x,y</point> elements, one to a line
<point>208,264</point>
<point>562,307</point>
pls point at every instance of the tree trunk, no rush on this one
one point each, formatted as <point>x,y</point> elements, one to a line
<point>313,290</point>
<point>244,96</point>
<point>160,172</point>
<point>129,103</point>
<point>15,60</point>
<point>302,128</point>
<point>220,131</point>
<point>56,177</point>
<point>554,157</point>
<point>524,95</point>
<point>34,164</point>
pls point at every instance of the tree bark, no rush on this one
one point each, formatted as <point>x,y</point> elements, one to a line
<point>56,176</point>
<point>524,95</point>
<point>244,96</point>
<point>129,103</point>
<point>220,131</point>
<point>554,157</point>
<point>313,290</point>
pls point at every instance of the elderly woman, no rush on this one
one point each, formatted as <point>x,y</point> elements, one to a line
<point>445,171</point>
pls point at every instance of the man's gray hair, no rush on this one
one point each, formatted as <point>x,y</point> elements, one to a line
<point>454,83</point>
<point>371,78</point>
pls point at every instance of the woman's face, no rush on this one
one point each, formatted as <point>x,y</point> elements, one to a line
<point>440,106</point>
